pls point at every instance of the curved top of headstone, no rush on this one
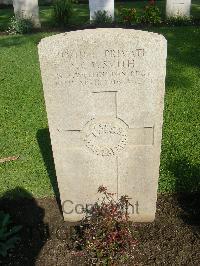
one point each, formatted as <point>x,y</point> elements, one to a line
<point>104,31</point>
<point>98,35</point>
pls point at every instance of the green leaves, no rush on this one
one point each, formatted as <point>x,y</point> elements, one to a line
<point>128,16</point>
<point>106,234</point>
<point>151,15</point>
<point>20,25</point>
<point>8,236</point>
<point>101,18</point>
<point>63,10</point>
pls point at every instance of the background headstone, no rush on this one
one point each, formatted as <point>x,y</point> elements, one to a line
<point>104,94</point>
<point>101,5</point>
<point>178,8</point>
<point>27,9</point>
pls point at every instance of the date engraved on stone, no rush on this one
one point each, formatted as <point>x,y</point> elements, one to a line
<point>106,137</point>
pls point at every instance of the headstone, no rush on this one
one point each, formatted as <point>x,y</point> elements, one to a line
<point>27,9</point>
<point>178,8</point>
<point>104,94</point>
<point>101,5</point>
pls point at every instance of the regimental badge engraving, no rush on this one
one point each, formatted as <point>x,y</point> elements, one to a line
<point>106,137</point>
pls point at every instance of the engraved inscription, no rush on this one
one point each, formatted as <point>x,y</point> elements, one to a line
<point>106,137</point>
<point>115,67</point>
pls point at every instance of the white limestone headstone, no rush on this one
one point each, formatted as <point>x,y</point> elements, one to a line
<point>104,94</point>
<point>178,8</point>
<point>101,5</point>
<point>27,9</point>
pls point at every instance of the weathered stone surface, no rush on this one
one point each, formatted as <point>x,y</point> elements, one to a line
<point>27,9</point>
<point>101,5</point>
<point>178,8</point>
<point>104,94</point>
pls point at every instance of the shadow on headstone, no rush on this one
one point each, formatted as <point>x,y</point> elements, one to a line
<point>25,211</point>
<point>43,138</point>
<point>188,175</point>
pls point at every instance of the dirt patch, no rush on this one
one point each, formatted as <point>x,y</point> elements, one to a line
<point>173,239</point>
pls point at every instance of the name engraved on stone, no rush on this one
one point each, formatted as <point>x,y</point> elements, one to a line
<point>124,62</point>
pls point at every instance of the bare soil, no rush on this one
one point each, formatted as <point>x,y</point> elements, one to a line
<point>172,239</point>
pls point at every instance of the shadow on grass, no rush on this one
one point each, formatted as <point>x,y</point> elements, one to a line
<point>8,41</point>
<point>25,211</point>
<point>188,175</point>
<point>43,138</point>
<point>5,14</point>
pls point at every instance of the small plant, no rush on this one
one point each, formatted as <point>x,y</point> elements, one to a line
<point>151,14</point>
<point>107,236</point>
<point>20,25</point>
<point>179,20</point>
<point>63,11</point>
<point>128,16</point>
<point>101,18</point>
<point>8,236</point>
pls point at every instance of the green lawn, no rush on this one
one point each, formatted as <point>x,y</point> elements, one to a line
<point>82,12</point>
<point>24,128</point>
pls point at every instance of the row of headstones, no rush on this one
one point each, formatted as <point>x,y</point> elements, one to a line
<point>173,7</point>
<point>29,8</point>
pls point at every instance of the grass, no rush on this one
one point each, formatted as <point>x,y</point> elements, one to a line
<point>22,114</point>
<point>24,128</point>
<point>82,12</point>
<point>180,161</point>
